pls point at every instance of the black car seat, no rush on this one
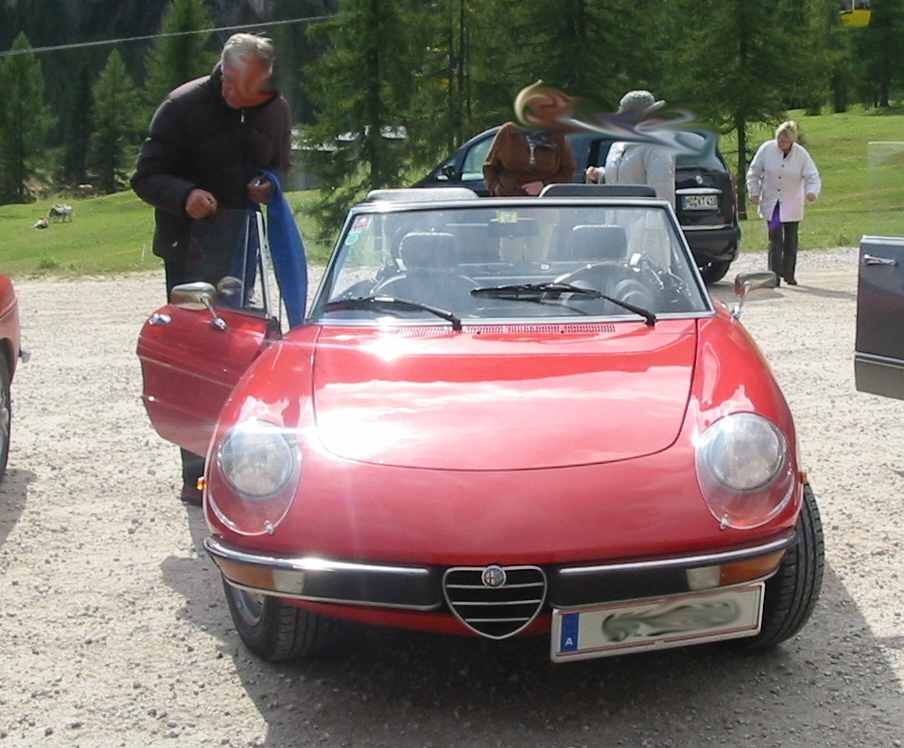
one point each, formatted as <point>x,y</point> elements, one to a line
<point>430,273</point>
<point>596,243</point>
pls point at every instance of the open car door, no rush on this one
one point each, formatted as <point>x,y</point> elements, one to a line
<point>194,350</point>
<point>879,349</point>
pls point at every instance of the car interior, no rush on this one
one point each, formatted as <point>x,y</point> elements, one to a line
<point>439,257</point>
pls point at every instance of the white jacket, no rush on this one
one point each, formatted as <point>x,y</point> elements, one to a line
<point>642,163</point>
<point>786,180</point>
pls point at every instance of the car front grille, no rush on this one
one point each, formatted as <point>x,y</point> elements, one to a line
<point>495,612</point>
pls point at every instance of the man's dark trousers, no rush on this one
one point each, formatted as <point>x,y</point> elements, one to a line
<point>178,272</point>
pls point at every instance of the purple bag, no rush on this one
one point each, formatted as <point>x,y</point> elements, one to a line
<point>775,223</point>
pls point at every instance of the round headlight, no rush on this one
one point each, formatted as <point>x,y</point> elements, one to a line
<point>257,459</point>
<point>744,451</point>
<point>744,470</point>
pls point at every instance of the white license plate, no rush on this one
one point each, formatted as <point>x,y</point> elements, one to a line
<point>656,623</point>
<point>701,202</point>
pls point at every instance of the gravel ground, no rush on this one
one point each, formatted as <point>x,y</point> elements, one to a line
<point>114,630</point>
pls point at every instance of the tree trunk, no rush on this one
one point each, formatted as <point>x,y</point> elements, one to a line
<point>883,92</point>
<point>451,75</point>
<point>375,120</point>
<point>741,128</point>
<point>460,87</point>
<point>839,92</point>
<point>740,119</point>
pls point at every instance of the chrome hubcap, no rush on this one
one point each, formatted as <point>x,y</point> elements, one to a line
<point>250,606</point>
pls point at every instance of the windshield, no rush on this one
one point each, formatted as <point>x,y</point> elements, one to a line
<point>439,257</point>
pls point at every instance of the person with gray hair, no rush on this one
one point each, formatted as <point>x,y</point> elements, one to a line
<point>781,177</point>
<point>638,163</point>
<point>208,142</point>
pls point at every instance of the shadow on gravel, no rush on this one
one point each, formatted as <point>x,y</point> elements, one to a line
<point>726,294</point>
<point>390,688</point>
<point>824,293</point>
<point>13,495</point>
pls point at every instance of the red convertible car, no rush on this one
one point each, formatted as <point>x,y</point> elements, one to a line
<point>501,417</point>
<point>9,357</point>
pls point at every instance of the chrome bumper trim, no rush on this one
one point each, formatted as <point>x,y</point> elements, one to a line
<point>703,559</point>
<point>324,580</point>
<point>575,586</point>
<point>707,227</point>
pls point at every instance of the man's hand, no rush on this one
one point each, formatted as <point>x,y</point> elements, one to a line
<point>259,190</point>
<point>593,174</point>
<point>811,197</point>
<point>755,199</point>
<point>200,204</point>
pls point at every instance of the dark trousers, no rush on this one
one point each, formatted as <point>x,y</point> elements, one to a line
<point>783,249</point>
<point>178,271</point>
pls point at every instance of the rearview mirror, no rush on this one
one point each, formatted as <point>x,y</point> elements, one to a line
<point>746,282</point>
<point>193,293</point>
<point>229,291</point>
<point>198,294</point>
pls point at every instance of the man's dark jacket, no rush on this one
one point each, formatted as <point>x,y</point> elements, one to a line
<point>197,141</point>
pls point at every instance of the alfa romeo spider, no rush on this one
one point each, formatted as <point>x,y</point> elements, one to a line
<point>500,417</point>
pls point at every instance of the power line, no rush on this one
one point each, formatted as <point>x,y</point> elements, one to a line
<point>55,48</point>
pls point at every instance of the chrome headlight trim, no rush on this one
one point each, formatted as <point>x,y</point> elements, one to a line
<point>745,470</point>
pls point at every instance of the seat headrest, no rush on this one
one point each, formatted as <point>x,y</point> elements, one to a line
<point>592,243</point>
<point>427,250</point>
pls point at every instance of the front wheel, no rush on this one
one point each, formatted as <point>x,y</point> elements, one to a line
<point>275,630</point>
<point>714,271</point>
<point>792,592</point>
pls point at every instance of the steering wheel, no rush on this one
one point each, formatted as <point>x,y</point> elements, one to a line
<point>594,274</point>
<point>618,280</point>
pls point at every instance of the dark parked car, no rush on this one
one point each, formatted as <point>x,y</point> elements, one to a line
<point>879,349</point>
<point>705,191</point>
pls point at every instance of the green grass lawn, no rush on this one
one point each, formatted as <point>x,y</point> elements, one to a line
<point>107,234</point>
<point>863,193</point>
<point>862,185</point>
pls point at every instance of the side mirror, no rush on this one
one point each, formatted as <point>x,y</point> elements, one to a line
<point>195,294</point>
<point>229,291</point>
<point>447,172</point>
<point>746,282</point>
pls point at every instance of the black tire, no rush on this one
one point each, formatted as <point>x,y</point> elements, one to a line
<point>714,271</point>
<point>794,590</point>
<point>278,631</point>
<point>6,415</point>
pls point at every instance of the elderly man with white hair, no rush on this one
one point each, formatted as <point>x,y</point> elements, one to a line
<point>208,142</point>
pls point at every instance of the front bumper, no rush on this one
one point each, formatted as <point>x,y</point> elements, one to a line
<point>420,588</point>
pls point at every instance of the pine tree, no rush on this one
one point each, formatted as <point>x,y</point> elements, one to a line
<point>440,108</point>
<point>25,118</point>
<point>734,67</point>
<point>173,60</point>
<point>295,53</point>
<point>361,89</point>
<point>880,48</point>
<point>116,121</point>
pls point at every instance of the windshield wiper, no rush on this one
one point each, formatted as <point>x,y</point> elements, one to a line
<point>530,291</point>
<point>368,302</point>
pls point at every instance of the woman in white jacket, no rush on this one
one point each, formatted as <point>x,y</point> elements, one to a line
<point>781,176</point>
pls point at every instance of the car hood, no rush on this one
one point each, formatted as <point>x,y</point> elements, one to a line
<point>500,398</point>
